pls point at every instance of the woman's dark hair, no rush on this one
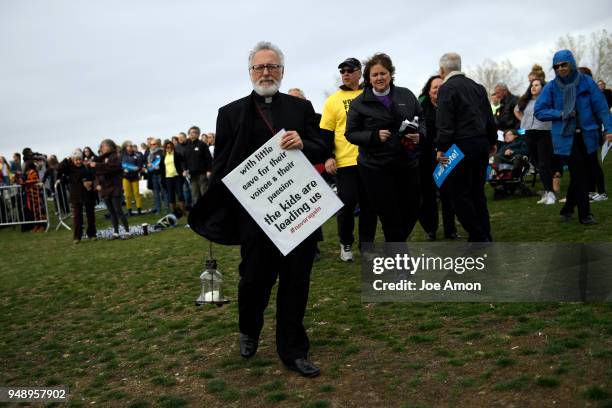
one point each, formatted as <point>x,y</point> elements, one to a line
<point>586,71</point>
<point>524,100</point>
<point>168,143</point>
<point>88,149</point>
<point>110,144</point>
<point>427,87</point>
<point>538,72</point>
<point>52,161</point>
<point>378,59</point>
<point>29,165</point>
<point>125,145</point>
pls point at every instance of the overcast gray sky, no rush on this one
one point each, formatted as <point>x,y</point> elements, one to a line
<point>75,72</point>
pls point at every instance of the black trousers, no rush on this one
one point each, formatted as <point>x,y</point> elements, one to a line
<point>466,184</point>
<point>395,196</point>
<point>541,153</point>
<point>174,188</point>
<point>77,219</point>
<point>578,192</point>
<point>261,264</point>
<point>428,212</point>
<point>113,205</point>
<point>352,193</point>
<point>596,175</point>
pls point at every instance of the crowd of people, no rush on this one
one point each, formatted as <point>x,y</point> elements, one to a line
<point>362,166</point>
<point>376,141</point>
<point>176,170</point>
<point>519,115</point>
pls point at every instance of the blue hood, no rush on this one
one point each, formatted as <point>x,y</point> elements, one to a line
<point>566,56</point>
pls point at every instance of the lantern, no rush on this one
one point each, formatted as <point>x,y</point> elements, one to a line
<point>212,285</point>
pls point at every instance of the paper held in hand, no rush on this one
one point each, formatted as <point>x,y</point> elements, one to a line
<point>283,193</point>
<point>605,149</point>
<point>454,155</point>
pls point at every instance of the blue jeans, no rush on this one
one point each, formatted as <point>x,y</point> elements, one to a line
<point>158,194</point>
<point>186,192</point>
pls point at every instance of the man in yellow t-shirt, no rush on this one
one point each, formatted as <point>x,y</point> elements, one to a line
<point>343,161</point>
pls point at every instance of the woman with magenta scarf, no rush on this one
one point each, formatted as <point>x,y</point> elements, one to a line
<point>577,110</point>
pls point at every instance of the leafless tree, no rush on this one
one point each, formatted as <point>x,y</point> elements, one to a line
<point>331,90</point>
<point>489,73</point>
<point>576,44</point>
<point>594,51</point>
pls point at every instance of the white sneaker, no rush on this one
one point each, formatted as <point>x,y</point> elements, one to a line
<point>346,253</point>
<point>563,200</point>
<point>550,198</point>
<point>543,199</point>
<point>599,197</point>
<point>592,195</point>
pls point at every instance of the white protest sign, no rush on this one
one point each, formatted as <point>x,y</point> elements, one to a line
<point>604,150</point>
<point>283,193</point>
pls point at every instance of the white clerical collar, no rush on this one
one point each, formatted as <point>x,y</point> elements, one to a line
<point>383,93</point>
<point>452,74</point>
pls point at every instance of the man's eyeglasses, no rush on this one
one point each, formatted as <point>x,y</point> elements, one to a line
<point>561,65</point>
<point>270,67</point>
<point>347,70</point>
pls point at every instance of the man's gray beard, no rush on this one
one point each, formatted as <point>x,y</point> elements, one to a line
<point>267,91</point>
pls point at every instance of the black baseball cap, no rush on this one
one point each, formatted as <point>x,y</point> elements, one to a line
<point>351,62</point>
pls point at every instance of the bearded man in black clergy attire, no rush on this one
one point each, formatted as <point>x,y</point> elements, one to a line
<point>242,127</point>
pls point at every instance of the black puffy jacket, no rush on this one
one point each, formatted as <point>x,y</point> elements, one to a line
<point>367,115</point>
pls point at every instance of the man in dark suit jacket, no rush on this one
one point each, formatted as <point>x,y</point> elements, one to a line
<point>242,127</point>
<point>464,118</point>
<point>504,116</point>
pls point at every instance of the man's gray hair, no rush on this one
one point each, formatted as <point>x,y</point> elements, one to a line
<point>77,154</point>
<point>501,85</point>
<point>451,61</point>
<point>265,45</point>
<point>298,90</point>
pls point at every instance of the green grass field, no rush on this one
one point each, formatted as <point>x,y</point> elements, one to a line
<point>116,323</point>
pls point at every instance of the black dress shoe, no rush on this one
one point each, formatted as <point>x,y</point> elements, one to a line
<point>566,217</point>
<point>430,236</point>
<point>588,220</point>
<point>304,367</point>
<point>248,345</point>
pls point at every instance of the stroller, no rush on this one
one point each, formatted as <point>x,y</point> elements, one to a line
<point>508,179</point>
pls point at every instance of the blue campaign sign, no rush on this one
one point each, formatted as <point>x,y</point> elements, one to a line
<point>441,172</point>
<point>489,172</point>
<point>154,164</point>
<point>129,167</point>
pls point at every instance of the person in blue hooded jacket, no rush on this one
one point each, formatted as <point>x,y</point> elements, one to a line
<point>577,109</point>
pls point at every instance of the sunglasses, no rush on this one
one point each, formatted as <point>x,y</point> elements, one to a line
<point>347,70</point>
<point>561,65</point>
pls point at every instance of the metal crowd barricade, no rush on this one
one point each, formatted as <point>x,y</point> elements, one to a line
<point>62,204</point>
<point>21,204</point>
